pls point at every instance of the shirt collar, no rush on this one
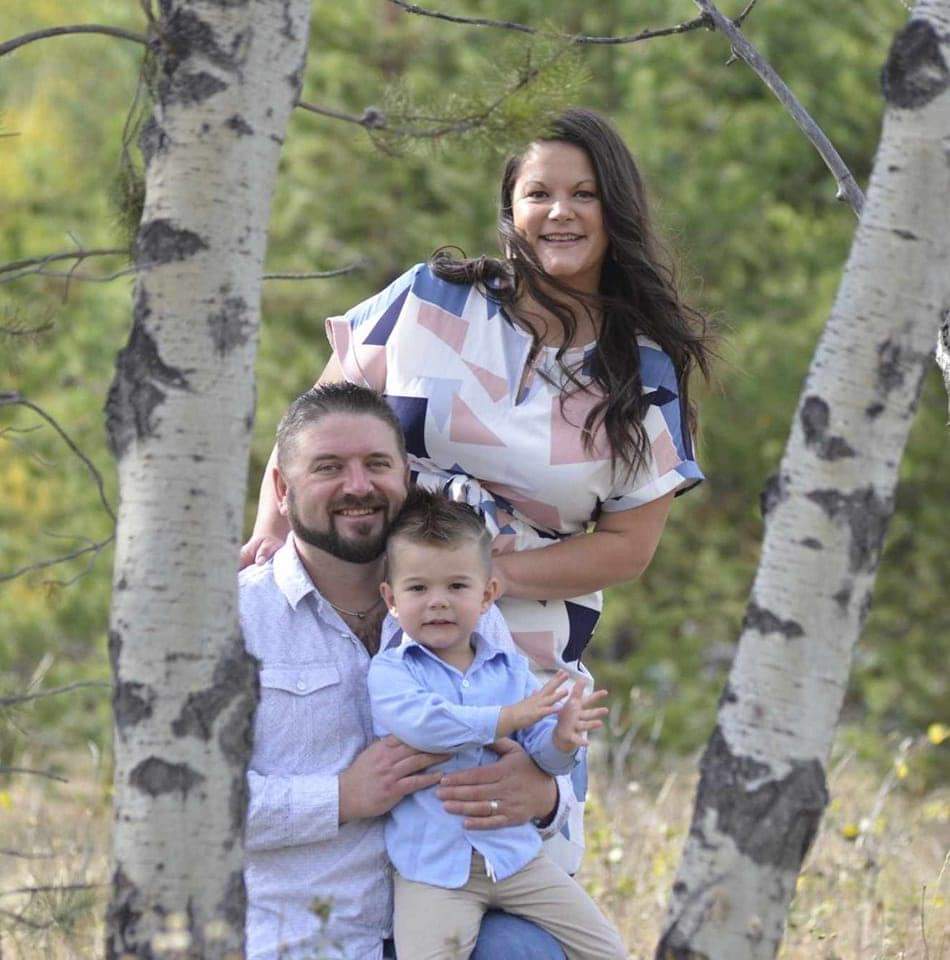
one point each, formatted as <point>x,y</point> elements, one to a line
<point>295,584</point>
<point>485,650</point>
<point>290,575</point>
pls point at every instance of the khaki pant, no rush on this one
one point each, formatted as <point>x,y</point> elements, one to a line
<point>437,923</point>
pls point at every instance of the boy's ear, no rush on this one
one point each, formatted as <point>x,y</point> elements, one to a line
<point>389,598</point>
<point>491,593</point>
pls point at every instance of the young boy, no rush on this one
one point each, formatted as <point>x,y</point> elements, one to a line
<point>445,689</point>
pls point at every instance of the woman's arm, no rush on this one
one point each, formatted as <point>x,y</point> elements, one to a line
<point>270,528</point>
<point>619,549</point>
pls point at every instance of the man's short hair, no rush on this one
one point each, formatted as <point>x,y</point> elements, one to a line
<point>320,401</point>
<point>433,519</point>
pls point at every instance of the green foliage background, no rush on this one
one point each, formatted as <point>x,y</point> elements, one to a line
<point>744,202</point>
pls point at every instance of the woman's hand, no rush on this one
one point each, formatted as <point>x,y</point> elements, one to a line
<point>507,793</point>
<point>577,716</point>
<point>259,549</point>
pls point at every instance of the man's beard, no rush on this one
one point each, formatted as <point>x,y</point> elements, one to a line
<point>365,550</point>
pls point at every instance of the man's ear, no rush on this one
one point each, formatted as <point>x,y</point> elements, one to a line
<point>389,598</point>
<point>280,488</point>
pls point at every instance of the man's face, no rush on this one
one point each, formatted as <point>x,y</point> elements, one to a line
<point>342,484</point>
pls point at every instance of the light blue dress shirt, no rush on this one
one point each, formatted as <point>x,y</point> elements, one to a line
<point>312,721</point>
<point>433,706</point>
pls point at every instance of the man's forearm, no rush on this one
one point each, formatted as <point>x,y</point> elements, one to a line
<point>287,811</point>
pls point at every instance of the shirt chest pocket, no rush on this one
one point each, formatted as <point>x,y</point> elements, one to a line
<point>300,715</point>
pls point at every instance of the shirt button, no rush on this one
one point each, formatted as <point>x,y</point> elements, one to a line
<point>301,685</point>
<point>465,683</point>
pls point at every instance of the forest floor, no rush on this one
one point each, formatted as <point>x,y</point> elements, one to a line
<point>876,885</point>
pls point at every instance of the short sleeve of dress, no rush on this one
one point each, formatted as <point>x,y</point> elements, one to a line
<point>359,337</point>
<point>670,464</point>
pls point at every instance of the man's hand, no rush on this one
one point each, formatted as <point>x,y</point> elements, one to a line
<point>577,716</point>
<point>521,791</point>
<point>384,773</point>
<point>542,703</point>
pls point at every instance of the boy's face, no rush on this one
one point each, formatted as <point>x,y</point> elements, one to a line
<point>438,593</point>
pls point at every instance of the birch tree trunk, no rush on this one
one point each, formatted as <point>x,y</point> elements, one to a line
<point>762,789</point>
<point>179,415</point>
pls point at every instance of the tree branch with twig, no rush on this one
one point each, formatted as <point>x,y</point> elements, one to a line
<point>582,39</point>
<point>8,46</point>
<point>54,692</point>
<point>848,188</point>
<point>94,548</point>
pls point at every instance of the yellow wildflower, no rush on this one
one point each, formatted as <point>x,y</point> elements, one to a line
<point>937,733</point>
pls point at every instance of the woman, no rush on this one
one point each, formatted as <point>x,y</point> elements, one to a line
<point>548,388</point>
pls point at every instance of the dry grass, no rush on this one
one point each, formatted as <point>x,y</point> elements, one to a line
<point>875,886</point>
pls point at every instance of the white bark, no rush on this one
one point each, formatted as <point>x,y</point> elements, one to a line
<point>179,417</point>
<point>762,789</point>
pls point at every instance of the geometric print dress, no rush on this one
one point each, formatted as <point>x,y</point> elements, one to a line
<point>483,429</point>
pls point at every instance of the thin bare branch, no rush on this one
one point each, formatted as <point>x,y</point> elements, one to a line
<point>684,27</point>
<point>35,773</point>
<point>19,918</point>
<point>38,263</point>
<point>848,188</point>
<point>17,399</point>
<point>95,548</point>
<point>738,21</point>
<point>70,275</point>
<point>55,691</point>
<point>375,121</point>
<point>748,9</point>
<point>49,855</point>
<point>318,275</point>
<point>10,45</point>
<point>8,331</point>
<point>370,119</point>
<point>51,888</point>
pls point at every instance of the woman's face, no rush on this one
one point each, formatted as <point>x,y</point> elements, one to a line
<point>556,207</point>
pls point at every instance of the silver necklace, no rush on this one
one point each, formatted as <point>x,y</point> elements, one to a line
<point>359,614</point>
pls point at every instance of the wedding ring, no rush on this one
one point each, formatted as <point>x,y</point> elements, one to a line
<point>493,805</point>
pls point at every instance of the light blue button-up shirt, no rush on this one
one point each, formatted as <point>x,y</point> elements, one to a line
<point>312,721</point>
<point>433,706</point>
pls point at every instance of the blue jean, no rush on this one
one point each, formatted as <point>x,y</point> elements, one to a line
<point>506,937</point>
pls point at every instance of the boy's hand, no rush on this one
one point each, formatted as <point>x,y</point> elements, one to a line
<point>577,716</point>
<point>540,704</point>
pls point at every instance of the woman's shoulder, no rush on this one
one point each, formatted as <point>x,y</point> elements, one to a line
<point>656,365</point>
<point>450,294</point>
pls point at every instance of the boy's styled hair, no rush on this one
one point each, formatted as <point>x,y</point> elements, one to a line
<point>319,402</point>
<point>434,520</point>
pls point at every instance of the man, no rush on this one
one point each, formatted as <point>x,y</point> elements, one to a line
<point>316,871</point>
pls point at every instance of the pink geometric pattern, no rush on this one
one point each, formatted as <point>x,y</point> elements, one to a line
<point>467,428</point>
<point>496,387</point>
<point>362,363</point>
<point>665,453</point>
<point>447,327</point>
<point>567,424</point>
<point>542,513</point>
